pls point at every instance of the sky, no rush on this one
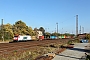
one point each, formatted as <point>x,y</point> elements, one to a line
<point>46,13</point>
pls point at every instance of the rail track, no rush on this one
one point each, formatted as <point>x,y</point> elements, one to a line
<point>6,48</point>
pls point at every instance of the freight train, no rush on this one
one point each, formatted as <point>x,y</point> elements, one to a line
<point>29,38</point>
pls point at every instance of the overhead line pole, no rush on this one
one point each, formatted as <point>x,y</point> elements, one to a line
<point>2,31</point>
<point>57,27</point>
<point>76,25</point>
<point>80,29</point>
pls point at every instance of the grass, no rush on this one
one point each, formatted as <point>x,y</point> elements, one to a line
<point>6,41</point>
<point>88,57</point>
<point>69,42</point>
<point>73,41</point>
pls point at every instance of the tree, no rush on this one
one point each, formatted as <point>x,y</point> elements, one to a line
<point>35,32</point>
<point>67,34</point>
<point>35,29</point>
<point>47,35</point>
<point>42,29</point>
<point>8,33</point>
<point>87,36</point>
<point>72,34</point>
<point>30,31</point>
<point>18,28</point>
<point>21,28</point>
<point>54,34</point>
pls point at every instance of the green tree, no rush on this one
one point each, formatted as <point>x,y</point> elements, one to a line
<point>8,33</point>
<point>67,34</point>
<point>21,28</point>
<point>54,34</point>
<point>35,31</point>
<point>47,34</point>
<point>42,29</point>
<point>87,36</point>
<point>31,31</point>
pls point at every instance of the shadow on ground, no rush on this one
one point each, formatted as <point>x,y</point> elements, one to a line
<point>70,56</point>
<point>82,50</point>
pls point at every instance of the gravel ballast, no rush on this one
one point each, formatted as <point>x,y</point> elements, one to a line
<point>76,53</point>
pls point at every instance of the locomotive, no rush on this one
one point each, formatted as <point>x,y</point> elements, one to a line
<point>21,38</point>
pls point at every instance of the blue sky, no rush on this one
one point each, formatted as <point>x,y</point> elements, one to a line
<point>47,13</point>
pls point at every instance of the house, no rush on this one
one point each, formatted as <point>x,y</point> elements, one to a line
<point>39,33</point>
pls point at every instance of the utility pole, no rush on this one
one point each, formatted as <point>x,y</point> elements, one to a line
<point>57,27</point>
<point>2,31</point>
<point>76,25</point>
<point>80,29</point>
<point>55,30</point>
<point>72,32</point>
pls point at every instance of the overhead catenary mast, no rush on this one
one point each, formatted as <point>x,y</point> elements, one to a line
<point>2,30</point>
<point>57,27</point>
<point>80,30</point>
<point>76,25</point>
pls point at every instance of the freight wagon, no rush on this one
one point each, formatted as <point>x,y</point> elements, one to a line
<point>21,38</point>
<point>41,37</point>
<point>53,37</point>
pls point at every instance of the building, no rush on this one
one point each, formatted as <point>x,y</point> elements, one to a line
<point>39,33</point>
<point>81,36</point>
